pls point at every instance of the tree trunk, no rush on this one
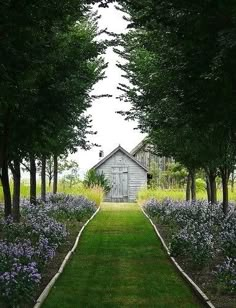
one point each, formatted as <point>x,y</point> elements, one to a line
<point>208,189</point>
<point>213,190</point>
<point>15,169</point>
<point>32,180</point>
<point>212,180</point>
<point>49,172</point>
<point>232,181</point>
<point>4,138</point>
<point>193,185</point>
<point>55,173</point>
<point>225,182</point>
<point>188,187</point>
<point>6,189</point>
<point>43,179</point>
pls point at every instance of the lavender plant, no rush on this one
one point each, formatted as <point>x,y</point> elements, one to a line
<point>26,247</point>
<point>226,274</point>
<point>67,207</point>
<point>19,274</point>
<point>195,241</point>
<point>228,234</point>
<point>19,282</point>
<point>200,231</point>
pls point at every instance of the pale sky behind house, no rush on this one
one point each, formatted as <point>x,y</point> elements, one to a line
<point>111,127</point>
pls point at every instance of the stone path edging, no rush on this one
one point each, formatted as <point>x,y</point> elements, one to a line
<point>47,289</point>
<point>195,287</point>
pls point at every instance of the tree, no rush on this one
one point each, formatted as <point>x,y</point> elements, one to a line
<point>93,179</point>
<point>180,69</point>
<point>48,71</point>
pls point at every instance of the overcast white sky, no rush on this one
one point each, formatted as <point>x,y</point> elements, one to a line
<point>111,127</point>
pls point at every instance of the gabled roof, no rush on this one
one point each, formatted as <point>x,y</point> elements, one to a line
<point>119,148</point>
<point>139,146</point>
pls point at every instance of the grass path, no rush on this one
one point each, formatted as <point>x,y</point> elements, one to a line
<point>120,263</point>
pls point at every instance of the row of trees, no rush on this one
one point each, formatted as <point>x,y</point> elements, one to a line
<point>181,67</point>
<point>67,169</point>
<point>50,58</point>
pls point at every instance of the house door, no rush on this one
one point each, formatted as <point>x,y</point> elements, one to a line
<point>119,191</point>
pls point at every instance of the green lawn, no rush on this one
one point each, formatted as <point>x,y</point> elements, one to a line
<point>120,263</point>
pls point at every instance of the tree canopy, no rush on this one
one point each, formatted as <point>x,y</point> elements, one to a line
<point>50,58</point>
<point>181,69</point>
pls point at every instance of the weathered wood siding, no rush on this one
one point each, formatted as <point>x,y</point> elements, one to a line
<point>146,158</point>
<point>126,173</point>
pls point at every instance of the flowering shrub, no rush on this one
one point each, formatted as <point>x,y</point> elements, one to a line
<point>228,235</point>
<point>19,282</point>
<point>155,208</point>
<point>43,225</point>
<point>21,260</point>
<point>70,207</point>
<point>226,274</point>
<point>19,274</point>
<point>200,232</point>
<point>26,247</point>
<point>35,224</point>
<point>194,240</point>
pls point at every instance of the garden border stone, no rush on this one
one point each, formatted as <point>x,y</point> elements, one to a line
<point>48,288</point>
<point>193,285</point>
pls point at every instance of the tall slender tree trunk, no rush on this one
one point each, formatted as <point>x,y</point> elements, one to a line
<point>55,173</point>
<point>213,191</point>
<point>6,189</point>
<point>212,179</point>
<point>32,180</point>
<point>50,172</point>
<point>208,188</point>
<point>232,181</point>
<point>43,178</point>
<point>188,196</point>
<point>193,184</point>
<point>15,169</point>
<point>225,181</point>
<point>4,139</point>
<point>1,156</point>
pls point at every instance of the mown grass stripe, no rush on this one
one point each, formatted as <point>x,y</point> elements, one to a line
<point>120,263</point>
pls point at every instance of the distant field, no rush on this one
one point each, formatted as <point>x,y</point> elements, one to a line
<point>24,191</point>
<point>94,194</point>
<point>175,194</point>
<point>97,195</point>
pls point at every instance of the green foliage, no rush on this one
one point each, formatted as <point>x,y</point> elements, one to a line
<point>70,169</point>
<point>48,70</point>
<point>173,177</point>
<point>155,173</point>
<point>180,66</point>
<point>200,185</point>
<point>93,179</point>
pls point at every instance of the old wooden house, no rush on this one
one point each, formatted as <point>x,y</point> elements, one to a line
<point>125,174</point>
<point>144,154</point>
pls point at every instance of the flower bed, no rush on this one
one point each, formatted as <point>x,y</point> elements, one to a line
<point>203,240</point>
<point>26,248</point>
